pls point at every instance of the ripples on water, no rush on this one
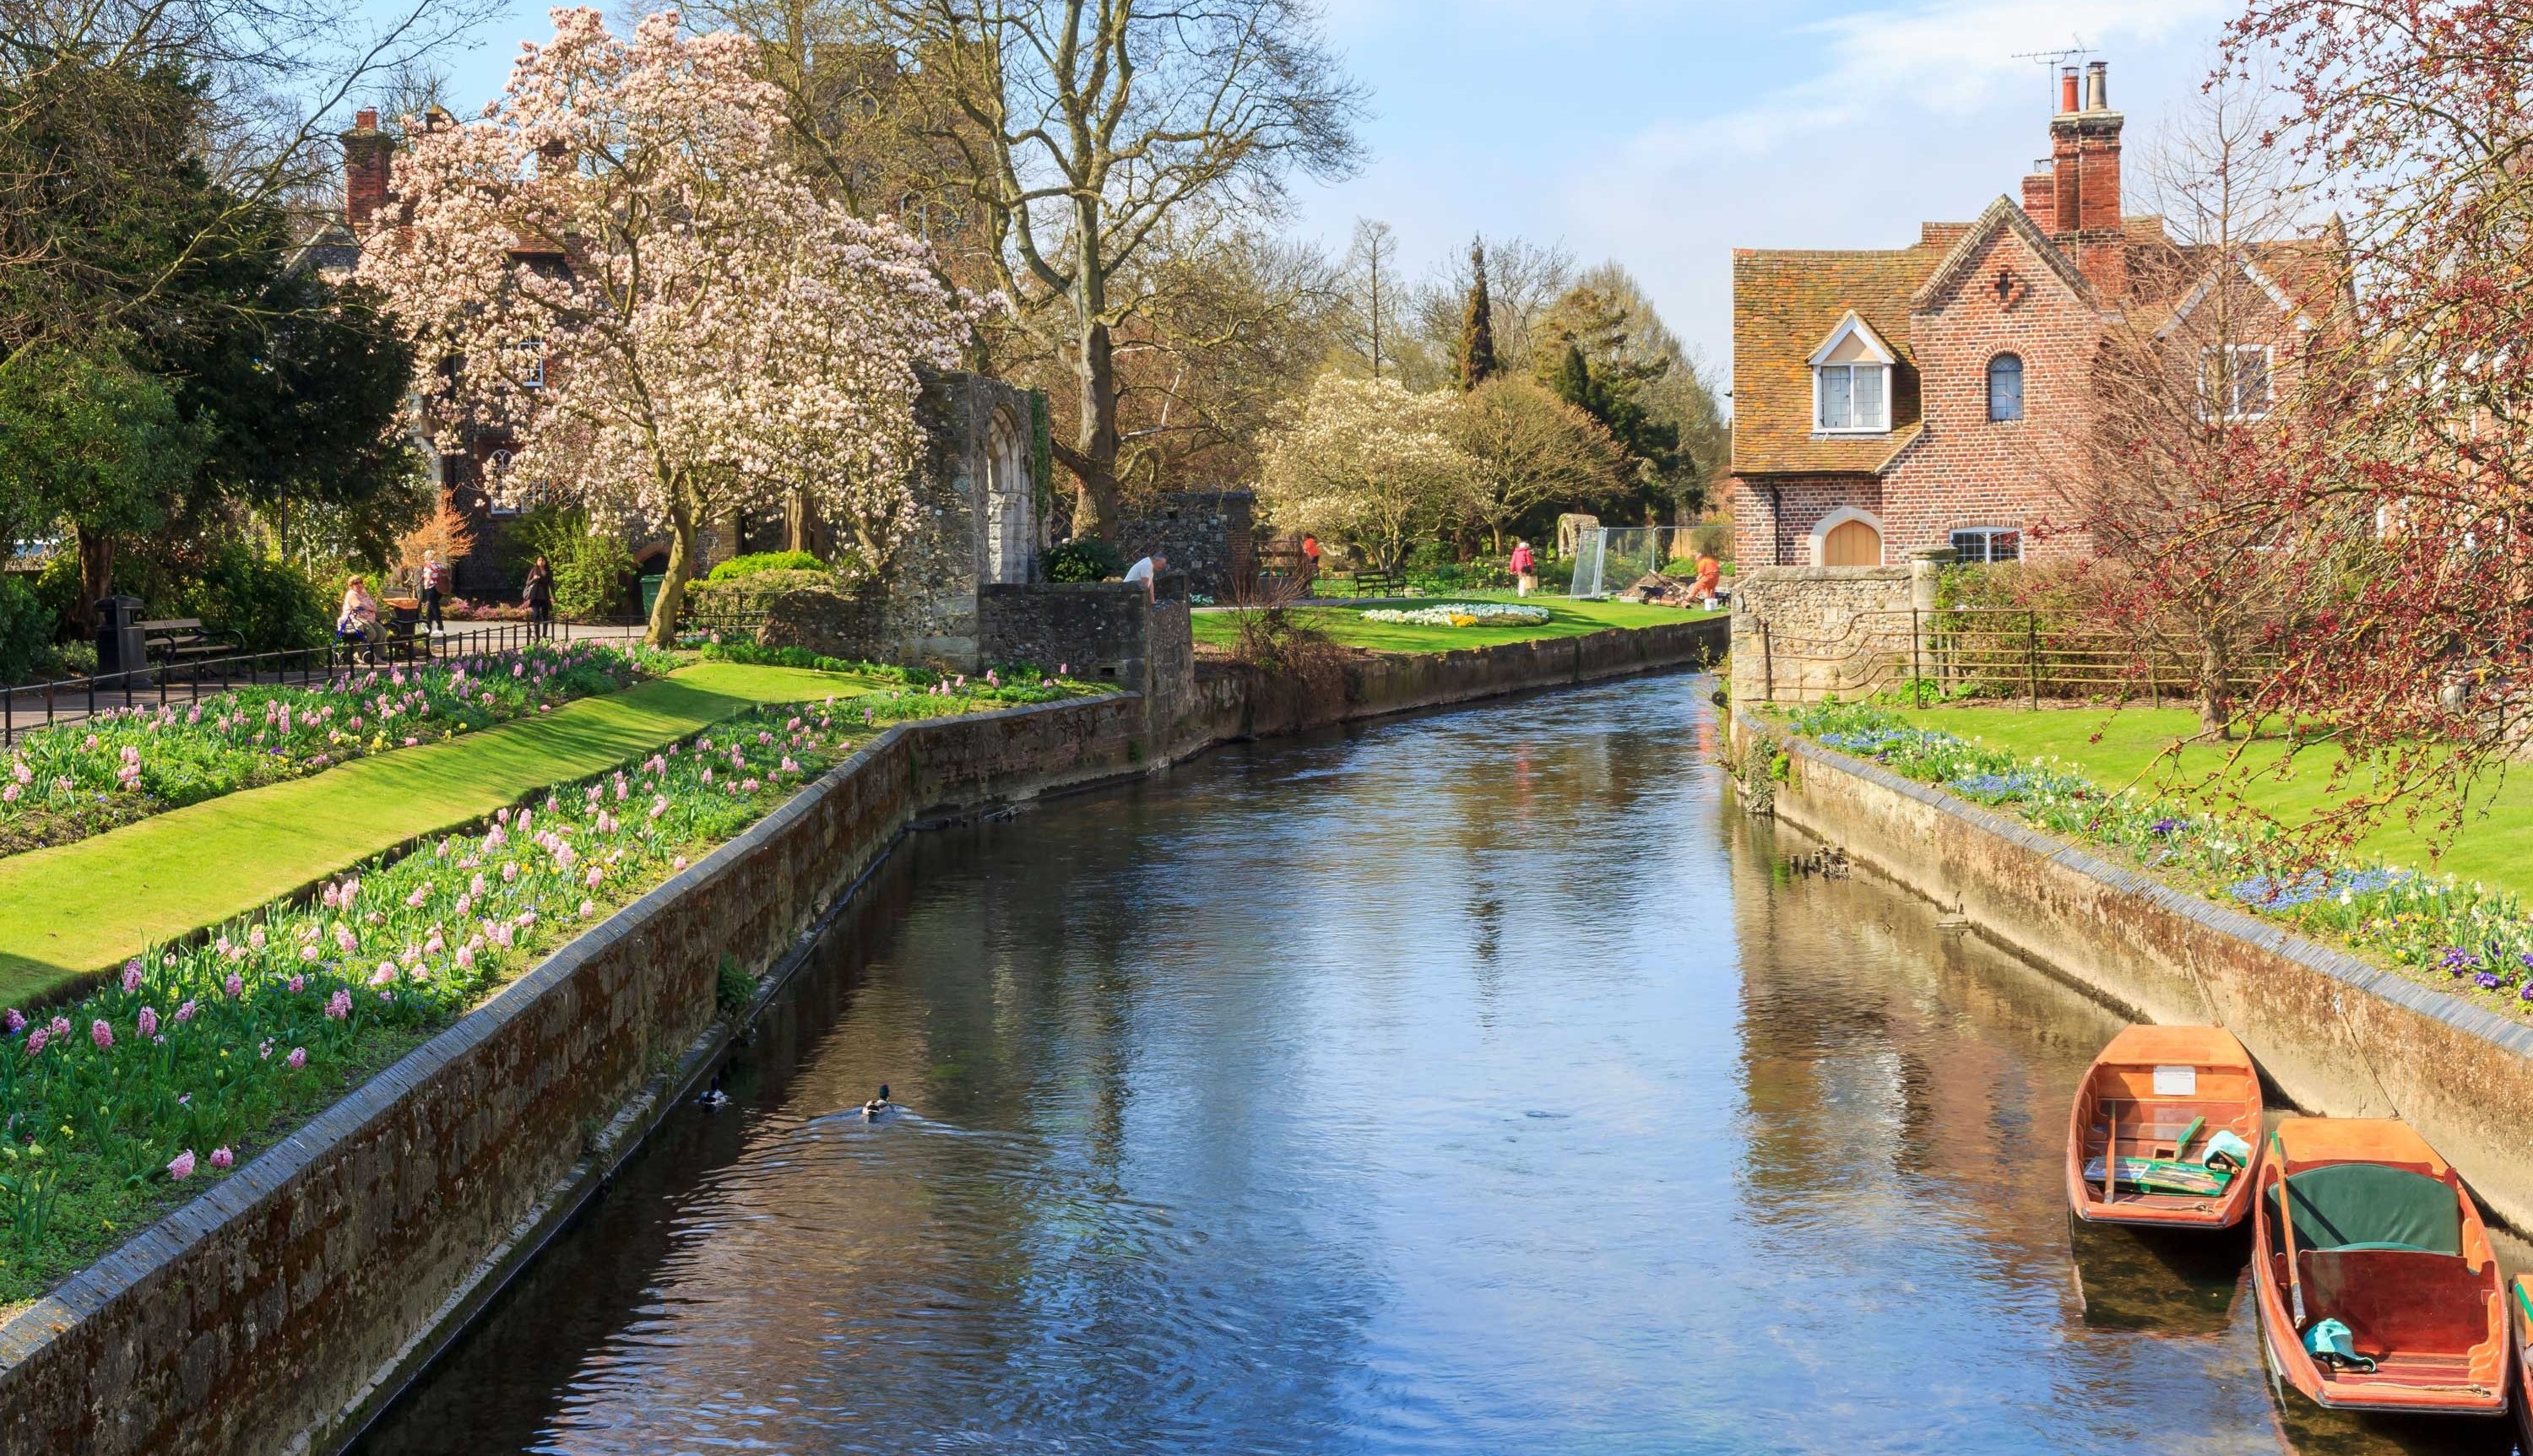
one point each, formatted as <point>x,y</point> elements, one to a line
<point>1472,1083</point>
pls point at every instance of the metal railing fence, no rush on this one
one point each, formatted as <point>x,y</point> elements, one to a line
<point>1985,652</point>
<point>73,699</point>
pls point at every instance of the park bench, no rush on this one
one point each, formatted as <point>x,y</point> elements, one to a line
<point>1376,583</point>
<point>183,638</point>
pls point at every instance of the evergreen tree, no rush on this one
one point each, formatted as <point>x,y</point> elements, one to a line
<point>1572,379</point>
<point>1477,326</point>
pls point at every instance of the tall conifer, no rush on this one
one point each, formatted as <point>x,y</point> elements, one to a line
<point>1477,325</point>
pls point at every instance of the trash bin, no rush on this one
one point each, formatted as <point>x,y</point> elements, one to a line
<point>651,593</point>
<point>119,644</point>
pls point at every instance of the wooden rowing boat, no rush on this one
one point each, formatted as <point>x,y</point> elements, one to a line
<point>2519,1318</point>
<point>2385,1241</point>
<point>2152,1100</point>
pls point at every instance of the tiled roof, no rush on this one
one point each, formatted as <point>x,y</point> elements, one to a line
<point>1784,302</point>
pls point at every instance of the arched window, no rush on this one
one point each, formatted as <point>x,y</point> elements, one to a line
<point>2005,387</point>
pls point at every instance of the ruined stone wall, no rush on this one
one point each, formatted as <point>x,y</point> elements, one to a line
<point>1801,634</point>
<point>1211,536</point>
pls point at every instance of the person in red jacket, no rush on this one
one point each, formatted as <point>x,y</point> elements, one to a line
<point>1525,570</point>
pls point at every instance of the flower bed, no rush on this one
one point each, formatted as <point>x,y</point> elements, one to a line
<point>166,1075</point>
<point>66,783</point>
<point>1461,614</point>
<point>2466,939</point>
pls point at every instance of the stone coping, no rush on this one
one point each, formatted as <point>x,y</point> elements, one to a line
<point>2477,1020</point>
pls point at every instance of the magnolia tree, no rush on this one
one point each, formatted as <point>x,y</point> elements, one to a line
<point>1365,461</point>
<point>618,266</point>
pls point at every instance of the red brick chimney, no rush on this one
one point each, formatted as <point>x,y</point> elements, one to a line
<point>2040,197</point>
<point>2085,182</point>
<point>368,154</point>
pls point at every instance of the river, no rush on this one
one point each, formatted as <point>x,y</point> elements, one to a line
<point>1481,1080</point>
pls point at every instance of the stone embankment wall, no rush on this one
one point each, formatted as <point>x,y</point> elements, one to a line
<point>2335,1035</point>
<point>1801,634</point>
<point>1210,535</point>
<point>282,1309</point>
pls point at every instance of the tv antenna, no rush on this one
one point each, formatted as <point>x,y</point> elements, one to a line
<point>2053,60</point>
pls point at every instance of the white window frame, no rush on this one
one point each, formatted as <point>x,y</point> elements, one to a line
<point>2223,380</point>
<point>1953,538</point>
<point>496,464</point>
<point>1878,358</point>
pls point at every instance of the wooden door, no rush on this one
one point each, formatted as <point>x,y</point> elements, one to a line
<point>1852,543</point>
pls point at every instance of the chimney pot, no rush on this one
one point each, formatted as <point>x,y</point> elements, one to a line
<point>2097,86</point>
<point>368,120</point>
<point>2067,88</point>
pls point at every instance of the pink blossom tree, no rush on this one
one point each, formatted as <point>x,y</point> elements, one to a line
<point>618,266</point>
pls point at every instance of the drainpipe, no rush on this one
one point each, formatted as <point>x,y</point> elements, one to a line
<point>1776,525</point>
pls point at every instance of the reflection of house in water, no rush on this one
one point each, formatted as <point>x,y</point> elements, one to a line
<point>1884,1060</point>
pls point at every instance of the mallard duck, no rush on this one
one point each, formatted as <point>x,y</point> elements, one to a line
<point>878,1105</point>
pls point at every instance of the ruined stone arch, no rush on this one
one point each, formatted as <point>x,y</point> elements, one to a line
<point>1011,501</point>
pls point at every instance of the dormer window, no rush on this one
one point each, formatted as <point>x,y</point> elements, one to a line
<point>1851,382</point>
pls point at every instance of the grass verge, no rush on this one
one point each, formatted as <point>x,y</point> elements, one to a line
<point>75,910</point>
<point>1568,617</point>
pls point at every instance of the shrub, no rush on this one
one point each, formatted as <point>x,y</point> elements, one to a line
<point>1432,554</point>
<point>1087,560</point>
<point>591,572</point>
<point>25,631</point>
<point>271,604</point>
<point>750,566</point>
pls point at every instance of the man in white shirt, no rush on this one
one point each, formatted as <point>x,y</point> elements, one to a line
<point>1145,569</point>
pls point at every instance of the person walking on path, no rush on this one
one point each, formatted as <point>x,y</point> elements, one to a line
<point>358,621</point>
<point>1525,570</point>
<point>539,591</point>
<point>435,583</point>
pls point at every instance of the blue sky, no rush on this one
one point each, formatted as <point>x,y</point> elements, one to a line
<point>1665,132</point>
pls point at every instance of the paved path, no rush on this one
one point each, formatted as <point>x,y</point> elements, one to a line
<point>89,905</point>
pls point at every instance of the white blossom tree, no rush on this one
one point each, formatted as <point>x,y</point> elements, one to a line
<point>617,264</point>
<point>1368,462</point>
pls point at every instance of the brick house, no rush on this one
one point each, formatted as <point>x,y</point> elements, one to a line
<point>1890,400</point>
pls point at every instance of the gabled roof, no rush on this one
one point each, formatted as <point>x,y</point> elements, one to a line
<point>2001,216</point>
<point>1784,302</point>
<point>1853,327</point>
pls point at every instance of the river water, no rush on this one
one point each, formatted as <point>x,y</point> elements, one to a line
<point>1474,1081</point>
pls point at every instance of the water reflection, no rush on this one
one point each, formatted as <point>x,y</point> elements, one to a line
<point>1480,1081</point>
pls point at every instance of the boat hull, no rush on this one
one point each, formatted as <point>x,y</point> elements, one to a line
<point>2139,1101</point>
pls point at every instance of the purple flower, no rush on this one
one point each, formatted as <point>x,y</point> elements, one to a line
<point>222,1157</point>
<point>339,1006</point>
<point>181,1165</point>
<point>2163,829</point>
<point>2488,982</point>
<point>147,1023</point>
<point>2457,961</point>
<point>234,987</point>
<point>186,1012</point>
<point>17,1021</point>
<point>102,1034</point>
<point>298,1058</point>
<point>131,976</point>
<point>37,1038</point>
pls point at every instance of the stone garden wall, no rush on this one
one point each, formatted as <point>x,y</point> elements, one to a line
<point>1209,535</point>
<point>1801,634</point>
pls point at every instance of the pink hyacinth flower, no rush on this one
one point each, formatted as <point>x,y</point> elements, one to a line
<point>101,1033</point>
<point>17,1021</point>
<point>187,1012</point>
<point>298,1058</point>
<point>181,1165</point>
<point>147,1023</point>
<point>340,1005</point>
<point>222,1157</point>
<point>131,976</point>
<point>36,1040</point>
<point>299,983</point>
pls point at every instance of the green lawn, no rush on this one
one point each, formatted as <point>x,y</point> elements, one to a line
<point>89,905</point>
<point>1567,618</point>
<point>2493,844</point>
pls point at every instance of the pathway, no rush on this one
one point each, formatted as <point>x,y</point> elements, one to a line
<point>87,905</point>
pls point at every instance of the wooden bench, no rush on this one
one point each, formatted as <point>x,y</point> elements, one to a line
<point>180,638</point>
<point>1376,583</point>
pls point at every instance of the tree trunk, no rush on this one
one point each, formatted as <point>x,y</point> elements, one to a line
<point>96,575</point>
<point>673,584</point>
<point>1095,509</point>
<point>2216,696</point>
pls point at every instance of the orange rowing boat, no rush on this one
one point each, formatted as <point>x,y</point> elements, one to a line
<point>2391,1273</point>
<point>2147,1114</point>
